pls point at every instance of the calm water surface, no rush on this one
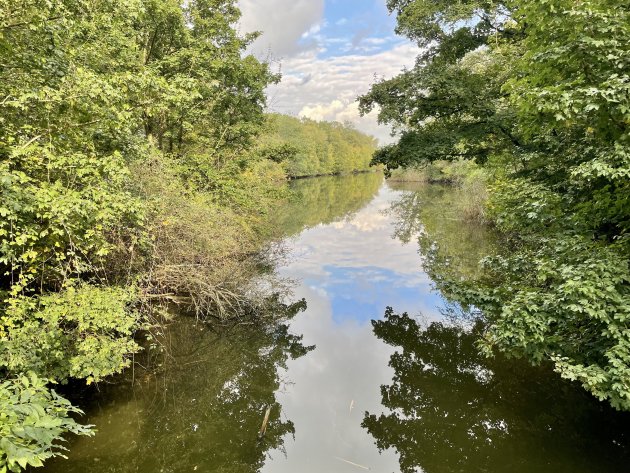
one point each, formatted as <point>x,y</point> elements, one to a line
<point>352,386</point>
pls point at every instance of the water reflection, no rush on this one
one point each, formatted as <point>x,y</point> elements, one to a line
<point>433,403</point>
<point>200,412</point>
<point>349,270</point>
<point>326,199</point>
<point>430,215</point>
<point>450,410</point>
<point>352,260</point>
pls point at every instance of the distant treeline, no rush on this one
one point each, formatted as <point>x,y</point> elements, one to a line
<point>310,148</point>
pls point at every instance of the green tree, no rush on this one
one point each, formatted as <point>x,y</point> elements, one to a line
<point>538,92</point>
<point>319,148</point>
<point>96,97</point>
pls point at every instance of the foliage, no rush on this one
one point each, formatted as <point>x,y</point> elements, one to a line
<point>84,332</point>
<point>205,246</point>
<point>539,93</point>
<point>581,323</point>
<point>96,97</point>
<point>32,421</point>
<point>310,148</point>
<point>63,130</point>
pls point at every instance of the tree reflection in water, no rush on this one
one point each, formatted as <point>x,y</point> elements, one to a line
<point>452,410</point>
<point>201,411</point>
<point>325,200</point>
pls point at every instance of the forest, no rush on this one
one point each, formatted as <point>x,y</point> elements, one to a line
<point>536,94</point>
<point>319,148</point>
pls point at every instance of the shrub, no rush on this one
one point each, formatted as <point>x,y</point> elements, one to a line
<point>33,419</point>
<point>83,332</point>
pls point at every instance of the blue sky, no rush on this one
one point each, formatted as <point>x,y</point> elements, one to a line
<point>362,294</point>
<point>338,264</point>
<point>329,52</point>
<point>355,26</point>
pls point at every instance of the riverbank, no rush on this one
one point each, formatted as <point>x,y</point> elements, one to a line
<point>470,180</point>
<point>310,148</point>
<point>338,174</point>
<point>335,377</point>
<point>130,176</point>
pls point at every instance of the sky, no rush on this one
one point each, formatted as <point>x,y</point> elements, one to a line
<point>329,52</point>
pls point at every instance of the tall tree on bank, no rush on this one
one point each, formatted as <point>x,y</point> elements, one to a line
<point>539,93</point>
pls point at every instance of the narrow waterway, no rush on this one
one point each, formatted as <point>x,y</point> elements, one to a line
<point>351,385</point>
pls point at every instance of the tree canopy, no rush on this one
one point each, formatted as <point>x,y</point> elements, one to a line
<point>125,126</point>
<point>538,92</point>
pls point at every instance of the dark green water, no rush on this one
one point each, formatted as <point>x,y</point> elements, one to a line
<point>351,386</point>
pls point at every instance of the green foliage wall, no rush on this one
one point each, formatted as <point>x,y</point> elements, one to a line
<point>96,97</point>
<point>317,148</point>
<point>32,421</point>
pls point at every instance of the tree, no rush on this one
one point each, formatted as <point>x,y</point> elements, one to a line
<point>95,96</point>
<point>319,147</point>
<point>538,92</point>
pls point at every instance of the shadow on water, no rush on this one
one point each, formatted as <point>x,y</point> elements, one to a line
<point>449,409</point>
<point>199,408</point>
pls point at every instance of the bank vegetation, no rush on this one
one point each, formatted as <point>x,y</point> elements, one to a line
<point>134,172</point>
<point>537,95</point>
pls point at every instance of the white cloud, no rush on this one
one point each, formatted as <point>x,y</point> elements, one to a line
<point>327,88</point>
<point>322,88</point>
<point>285,24</point>
<point>321,112</point>
<point>350,243</point>
<point>377,40</point>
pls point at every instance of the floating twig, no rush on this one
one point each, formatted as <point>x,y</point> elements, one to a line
<point>352,463</point>
<point>263,427</point>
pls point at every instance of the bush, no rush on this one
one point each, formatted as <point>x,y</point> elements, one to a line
<point>83,332</point>
<point>32,422</point>
<point>206,242</point>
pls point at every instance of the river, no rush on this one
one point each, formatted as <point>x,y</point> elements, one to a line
<point>350,385</point>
